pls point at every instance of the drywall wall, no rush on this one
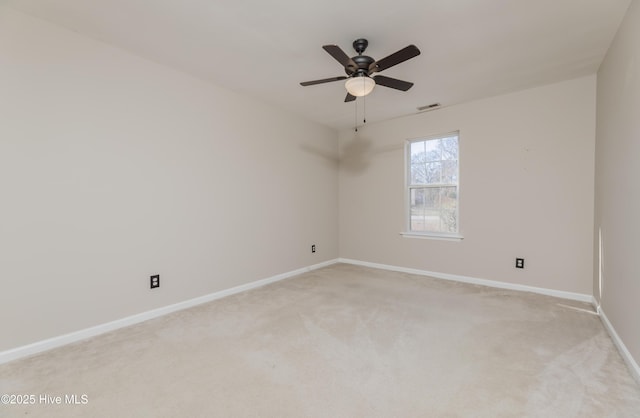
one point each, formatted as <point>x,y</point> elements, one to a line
<point>114,168</point>
<point>617,191</point>
<point>526,189</point>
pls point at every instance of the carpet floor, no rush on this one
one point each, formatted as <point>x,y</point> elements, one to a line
<point>342,341</point>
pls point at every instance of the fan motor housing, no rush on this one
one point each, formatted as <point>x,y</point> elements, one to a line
<point>363,62</point>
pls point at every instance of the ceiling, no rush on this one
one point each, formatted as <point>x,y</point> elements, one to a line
<point>470,48</point>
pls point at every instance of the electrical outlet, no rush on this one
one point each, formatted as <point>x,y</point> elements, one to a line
<point>519,263</point>
<point>155,281</point>
<point>313,248</point>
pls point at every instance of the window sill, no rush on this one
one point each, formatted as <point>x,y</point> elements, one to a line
<point>432,235</point>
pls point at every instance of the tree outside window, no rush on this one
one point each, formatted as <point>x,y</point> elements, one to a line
<point>432,184</point>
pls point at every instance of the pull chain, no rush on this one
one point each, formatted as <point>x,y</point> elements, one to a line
<point>364,101</point>
<point>364,109</point>
<point>355,119</point>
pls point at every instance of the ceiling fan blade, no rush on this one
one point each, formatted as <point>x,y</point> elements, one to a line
<point>341,57</point>
<point>394,83</point>
<point>395,58</point>
<point>349,98</point>
<point>324,80</point>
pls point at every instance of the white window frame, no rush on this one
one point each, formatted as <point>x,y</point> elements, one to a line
<point>408,233</point>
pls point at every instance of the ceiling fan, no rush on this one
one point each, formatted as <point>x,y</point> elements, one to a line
<point>359,69</point>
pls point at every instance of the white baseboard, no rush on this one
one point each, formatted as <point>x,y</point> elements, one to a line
<point>626,355</point>
<point>48,344</point>
<point>472,280</point>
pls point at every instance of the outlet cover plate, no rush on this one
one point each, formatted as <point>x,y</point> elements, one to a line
<point>155,281</point>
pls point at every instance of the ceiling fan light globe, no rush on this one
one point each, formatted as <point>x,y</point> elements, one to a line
<point>360,86</point>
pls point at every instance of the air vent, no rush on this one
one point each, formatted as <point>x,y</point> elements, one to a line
<point>432,106</point>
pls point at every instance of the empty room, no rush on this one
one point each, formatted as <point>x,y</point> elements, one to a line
<point>319,209</point>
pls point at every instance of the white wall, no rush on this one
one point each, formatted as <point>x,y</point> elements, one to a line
<point>113,168</point>
<point>527,168</point>
<point>617,193</point>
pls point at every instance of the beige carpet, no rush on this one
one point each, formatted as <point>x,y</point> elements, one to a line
<point>343,341</point>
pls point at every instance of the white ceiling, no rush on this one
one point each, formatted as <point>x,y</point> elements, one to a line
<point>470,48</point>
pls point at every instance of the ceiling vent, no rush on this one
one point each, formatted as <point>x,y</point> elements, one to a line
<point>426,108</point>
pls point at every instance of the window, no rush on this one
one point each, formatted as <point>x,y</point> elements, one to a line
<point>432,186</point>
